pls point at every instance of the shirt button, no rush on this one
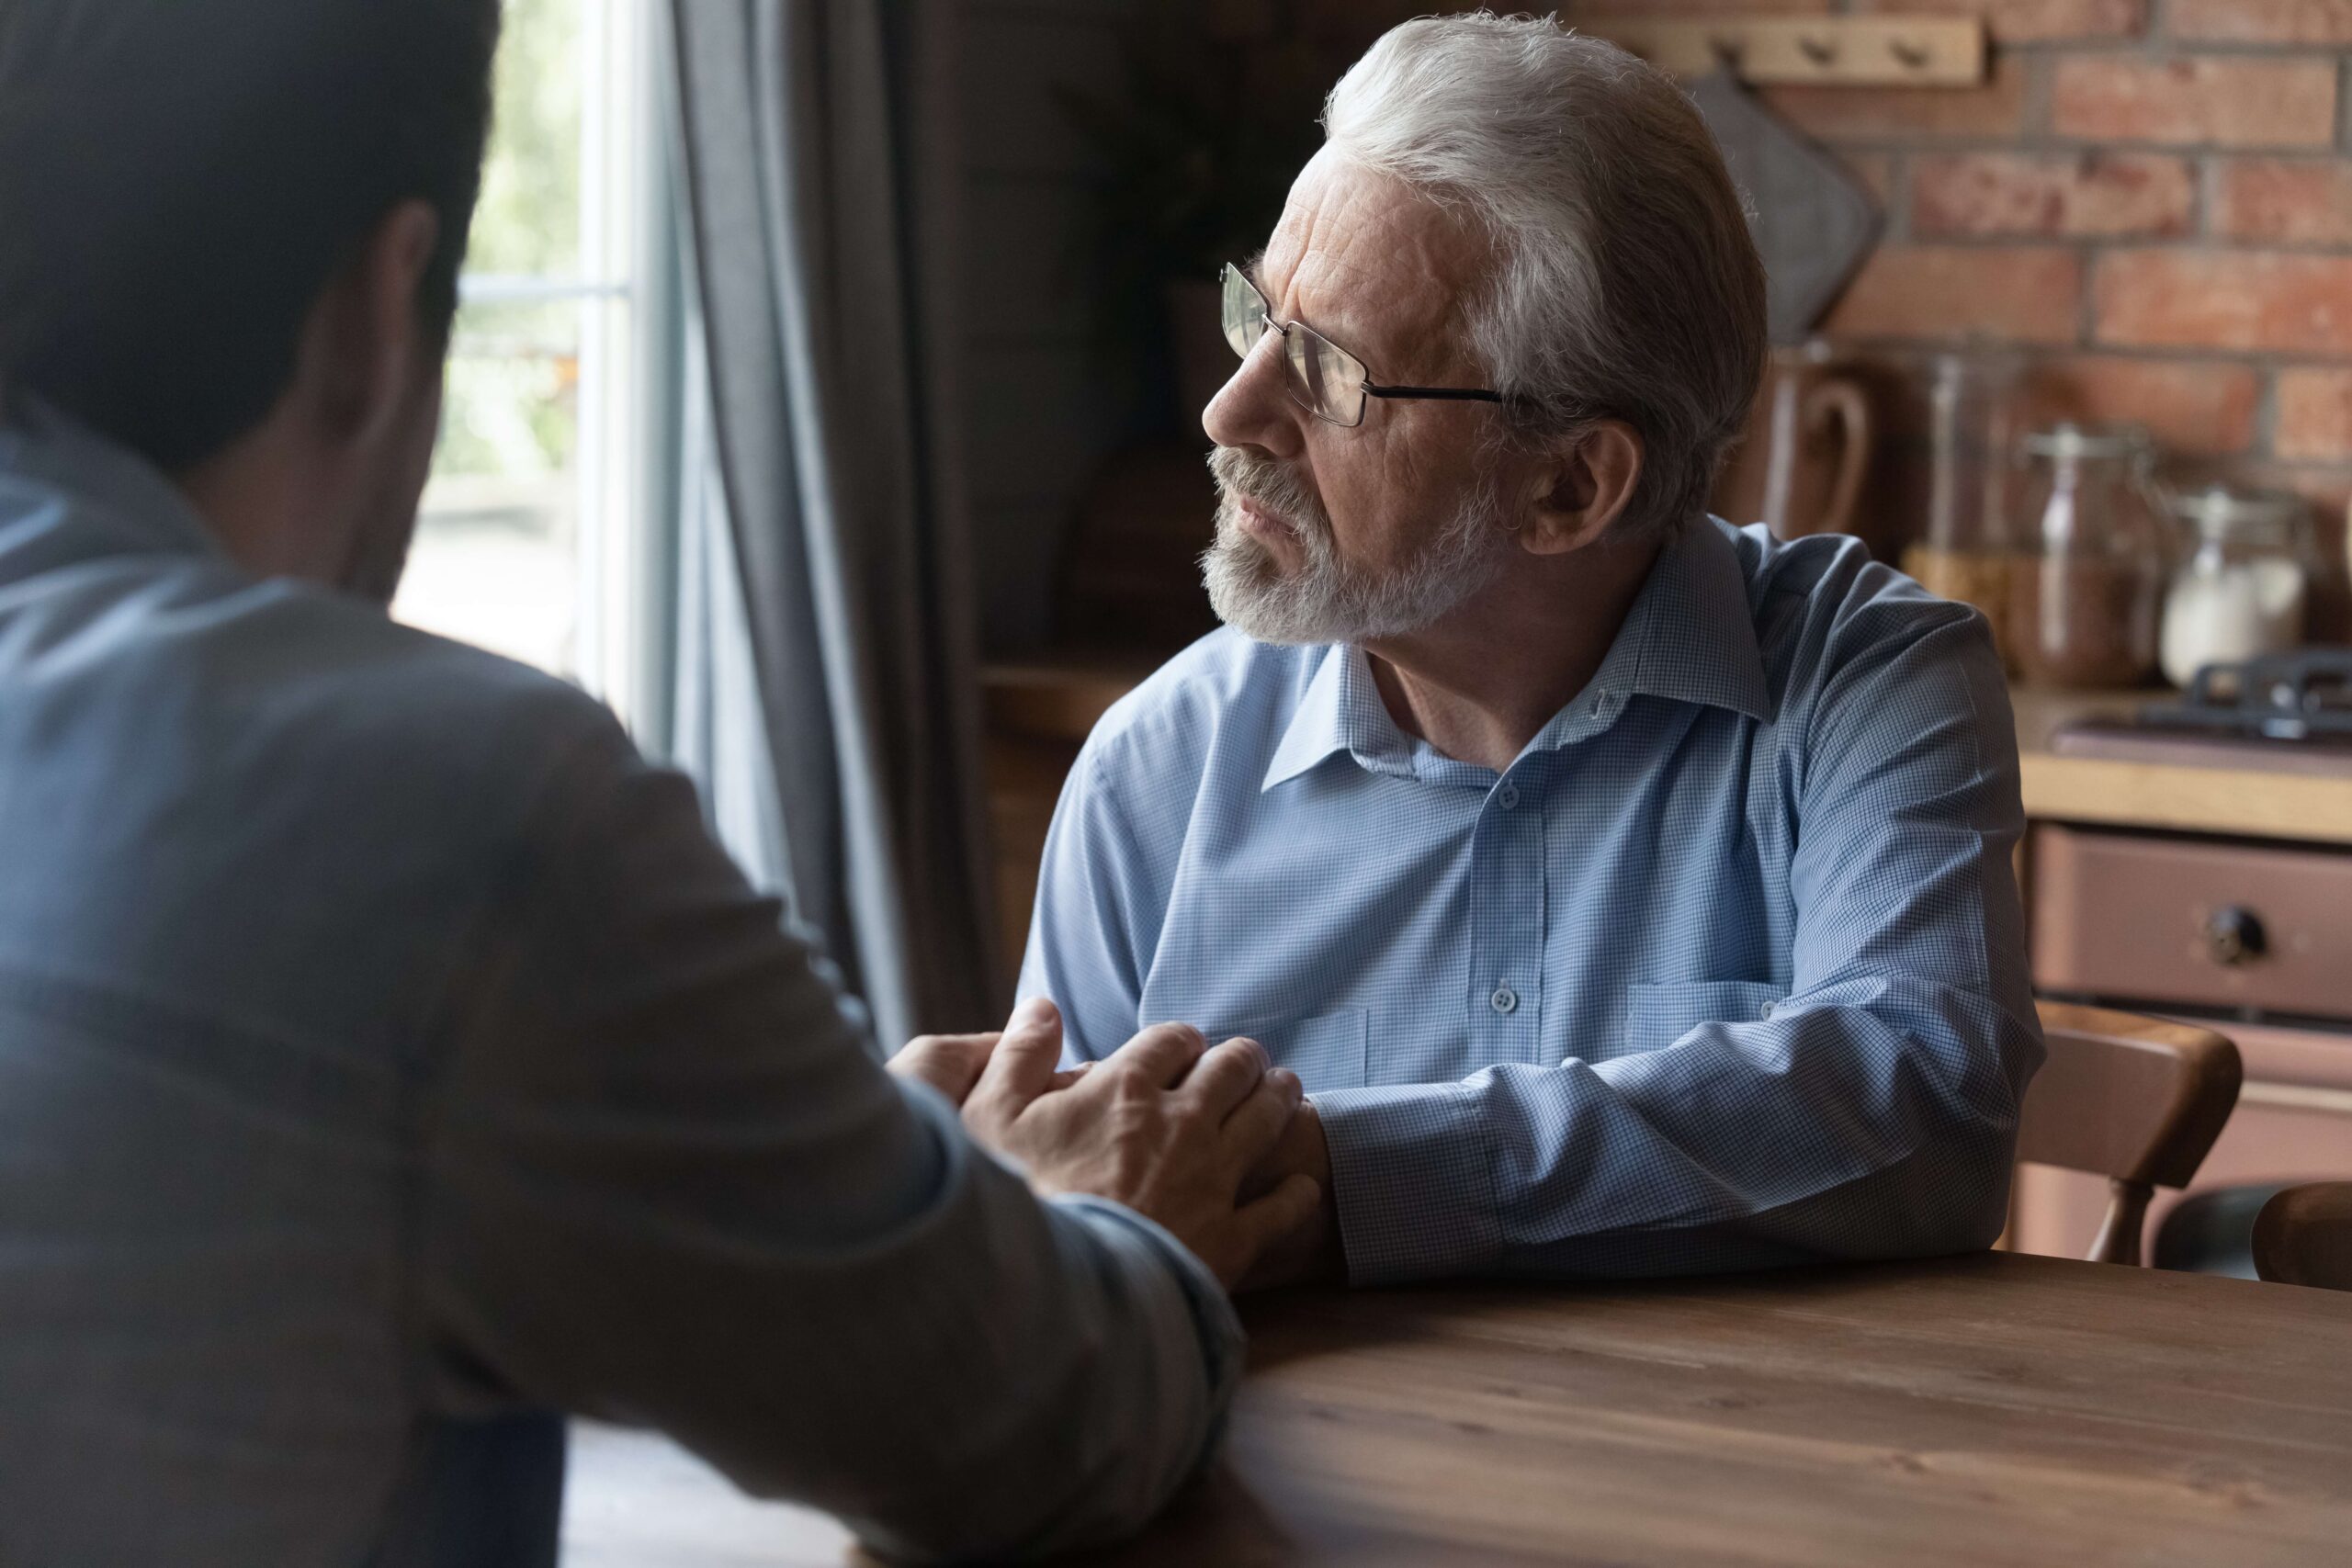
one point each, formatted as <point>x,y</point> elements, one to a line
<point>1765,1011</point>
<point>1505,999</point>
<point>1508,797</point>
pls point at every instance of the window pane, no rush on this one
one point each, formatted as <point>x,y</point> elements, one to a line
<point>529,222</point>
<point>496,561</point>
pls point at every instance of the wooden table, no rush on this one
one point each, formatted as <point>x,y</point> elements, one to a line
<point>1996,1408</point>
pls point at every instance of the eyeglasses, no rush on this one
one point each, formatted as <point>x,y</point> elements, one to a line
<point>1323,378</point>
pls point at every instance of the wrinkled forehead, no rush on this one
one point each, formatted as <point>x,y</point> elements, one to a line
<point>1368,260</point>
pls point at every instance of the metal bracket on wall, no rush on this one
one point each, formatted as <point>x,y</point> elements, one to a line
<point>1915,52</point>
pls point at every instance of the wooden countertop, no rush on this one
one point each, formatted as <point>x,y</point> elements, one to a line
<point>1992,1409</point>
<point>1059,699</point>
<point>2153,795</point>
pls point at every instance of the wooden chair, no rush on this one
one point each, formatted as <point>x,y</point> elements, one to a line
<point>2138,1100</point>
<point>2303,1237</point>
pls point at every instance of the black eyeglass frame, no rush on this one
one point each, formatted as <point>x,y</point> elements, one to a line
<point>1367,385</point>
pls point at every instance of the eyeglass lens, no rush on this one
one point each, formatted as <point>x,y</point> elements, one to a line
<point>1322,378</point>
<point>1245,311</point>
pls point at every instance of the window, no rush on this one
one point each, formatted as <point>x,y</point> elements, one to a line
<point>533,538</point>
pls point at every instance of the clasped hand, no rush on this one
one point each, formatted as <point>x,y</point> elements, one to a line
<point>1183,1133</point>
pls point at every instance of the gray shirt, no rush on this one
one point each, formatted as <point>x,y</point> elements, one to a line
<point>389,1059</point>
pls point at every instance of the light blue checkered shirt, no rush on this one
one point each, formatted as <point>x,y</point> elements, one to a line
<point>1726,969</point>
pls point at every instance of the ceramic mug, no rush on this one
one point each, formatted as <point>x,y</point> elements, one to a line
<point>1800,466</point>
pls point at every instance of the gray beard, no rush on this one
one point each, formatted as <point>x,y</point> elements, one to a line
<point>1327,599</point>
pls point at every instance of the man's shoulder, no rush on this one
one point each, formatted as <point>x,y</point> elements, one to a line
<point>362,686</point>
<point>1853,648</point>
<point>343,798</point>
<point>1823,601</point>
<point>282,690</point>
<point>1831,575</point>
<point>1223,690</point>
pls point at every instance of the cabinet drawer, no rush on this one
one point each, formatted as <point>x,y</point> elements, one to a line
<point>2193,922</point>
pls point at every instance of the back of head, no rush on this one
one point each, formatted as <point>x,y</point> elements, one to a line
<point>1626,284</point>
<point>180,179</point>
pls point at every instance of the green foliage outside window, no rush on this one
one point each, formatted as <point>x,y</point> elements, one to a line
<point>513,371</point>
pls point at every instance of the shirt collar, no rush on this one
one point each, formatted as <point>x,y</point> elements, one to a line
<point>1341,711</point>
<point>1690,636</point>
<point>49,450</point>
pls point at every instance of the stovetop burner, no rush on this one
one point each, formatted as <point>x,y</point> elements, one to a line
<point>2287,713</point>
<point>2304,695</point>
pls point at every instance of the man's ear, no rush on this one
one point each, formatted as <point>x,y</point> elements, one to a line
<point>364,339</point>
<point>1583,489</point>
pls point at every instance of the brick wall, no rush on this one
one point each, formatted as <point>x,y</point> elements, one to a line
<point>2151,199</point>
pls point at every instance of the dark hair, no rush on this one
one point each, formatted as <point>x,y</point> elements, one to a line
<point>180,179</point>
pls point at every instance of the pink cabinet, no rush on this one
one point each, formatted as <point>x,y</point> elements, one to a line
<point>2222,931</point>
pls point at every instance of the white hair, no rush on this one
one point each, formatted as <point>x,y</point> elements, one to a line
<point>1625,284</point>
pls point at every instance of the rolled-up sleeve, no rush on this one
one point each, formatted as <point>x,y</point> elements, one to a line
<point>665,1181</point>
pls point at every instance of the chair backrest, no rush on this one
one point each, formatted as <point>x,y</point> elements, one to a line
<point>2303,1237</point>
<point>2138,1100</point>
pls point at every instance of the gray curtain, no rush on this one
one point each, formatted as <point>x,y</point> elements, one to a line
<point>817,209</point>
<point>717,723</point>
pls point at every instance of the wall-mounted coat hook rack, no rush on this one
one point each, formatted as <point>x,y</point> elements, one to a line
<point>1920,52</point>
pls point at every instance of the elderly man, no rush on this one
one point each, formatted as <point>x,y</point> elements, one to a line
<point>1631,890</point>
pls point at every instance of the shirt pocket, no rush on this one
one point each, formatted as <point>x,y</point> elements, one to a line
<point>1659,1015</point>
<point>1327,1052</point>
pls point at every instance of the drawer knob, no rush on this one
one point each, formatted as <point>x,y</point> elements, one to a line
<point>2233,935</point>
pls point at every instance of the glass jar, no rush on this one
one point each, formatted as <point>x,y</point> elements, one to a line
<point>2085,597</point>
<point>1966,552</point>
<point>2244,588</point>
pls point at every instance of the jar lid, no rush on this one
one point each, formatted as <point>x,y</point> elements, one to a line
<point>2079,441</point>
<point>2218,510</point>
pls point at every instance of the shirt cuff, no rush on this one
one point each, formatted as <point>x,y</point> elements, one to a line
<point>1413,1175</point>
